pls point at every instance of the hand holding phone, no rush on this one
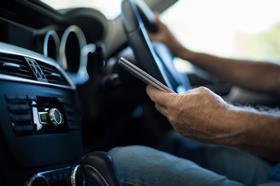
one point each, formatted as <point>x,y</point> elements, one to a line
<point>142,75</point>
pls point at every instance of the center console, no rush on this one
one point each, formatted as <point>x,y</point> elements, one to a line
<point>40,132</point>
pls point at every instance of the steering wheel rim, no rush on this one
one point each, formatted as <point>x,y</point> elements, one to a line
<point>134,13</point>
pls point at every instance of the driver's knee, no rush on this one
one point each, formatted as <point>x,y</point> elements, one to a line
<point>135,154</point>
<point>131,155</point>
<point>131,163</point>
<point>135,159</point>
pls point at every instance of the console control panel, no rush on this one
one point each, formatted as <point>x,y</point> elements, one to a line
<point>36,115</point>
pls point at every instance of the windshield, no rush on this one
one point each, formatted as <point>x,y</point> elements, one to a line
<point>110,8</point>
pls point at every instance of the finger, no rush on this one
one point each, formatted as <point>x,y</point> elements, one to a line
<point>159,96</point>
<point>154,37</point>
<point>158,22</point>
<point>161,109</point>
<point>199,90</point>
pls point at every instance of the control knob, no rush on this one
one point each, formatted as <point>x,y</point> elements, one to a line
<point>55,116</point>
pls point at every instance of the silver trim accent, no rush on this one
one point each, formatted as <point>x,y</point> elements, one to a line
<point>36,119</point>
<point>73,176</point>
<point>53,119</point>
<point>81,75</point>
<point>98,174</point>
<point>51,34</point>
<point>11,49</point>
<point>55,75</point>
<point>42,114</point>
<point>81,39</point>
<point>37,176</point>
<point>11,65</point>
<point>42,174</point>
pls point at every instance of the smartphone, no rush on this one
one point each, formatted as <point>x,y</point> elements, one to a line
<point>142,75</point>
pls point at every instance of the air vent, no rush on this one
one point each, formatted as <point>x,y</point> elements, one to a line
<point>16,66</point>
<point>21,65</point>
<point>20,115</point>
<point>71,114</point>
<point>53,75</point>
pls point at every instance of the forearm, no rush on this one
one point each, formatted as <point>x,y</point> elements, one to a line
<point>263,77</point>
<point>253,131</point>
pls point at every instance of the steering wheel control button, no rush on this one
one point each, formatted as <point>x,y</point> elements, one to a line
<point>56,117</point>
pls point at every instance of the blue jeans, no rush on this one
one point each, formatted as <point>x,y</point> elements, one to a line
<point>187,162</point>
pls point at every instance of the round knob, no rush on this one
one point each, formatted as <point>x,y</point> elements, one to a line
<point>38,180</point>
<point>56,117</point>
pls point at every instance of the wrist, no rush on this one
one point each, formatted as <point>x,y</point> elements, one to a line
<point>235,126</point>
<point>185,54</point>
<point>178,50</point>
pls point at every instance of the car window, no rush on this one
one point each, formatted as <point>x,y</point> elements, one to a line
<point>110,8</point>
<point>232,28</point>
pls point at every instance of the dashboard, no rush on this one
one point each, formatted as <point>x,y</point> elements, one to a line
<point>64,36</point>
<point>59,83</point>
<point>44,56</point>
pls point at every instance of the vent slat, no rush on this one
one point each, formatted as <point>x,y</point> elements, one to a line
<point>14,59</point>
<point>57,82</point>
<point>23,70</point>
<point>18,74</point>
<point>53,75</point>
<point>15,66</point>
<point>47,68</point>
<point>20,115</point>
<point>47,71</point>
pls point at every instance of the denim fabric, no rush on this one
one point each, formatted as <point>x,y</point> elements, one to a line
<point>233,163</point>
<point>193,164</point>
<point>275,172</point>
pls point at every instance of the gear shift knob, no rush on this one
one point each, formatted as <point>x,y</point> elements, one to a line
<point>97,169</point>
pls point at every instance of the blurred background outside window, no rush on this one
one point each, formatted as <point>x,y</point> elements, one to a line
<point>110,8</point>
<point>232,28</point>
<point>247,29</point>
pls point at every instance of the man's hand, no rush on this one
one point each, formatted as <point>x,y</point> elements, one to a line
<point>198,113</point>
<point>165,36</point>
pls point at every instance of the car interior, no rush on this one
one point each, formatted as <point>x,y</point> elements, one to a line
<point>65,101</point>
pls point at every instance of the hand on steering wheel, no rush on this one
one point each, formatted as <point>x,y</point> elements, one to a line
<point>165,36</point>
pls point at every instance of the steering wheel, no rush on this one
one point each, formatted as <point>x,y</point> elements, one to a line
<point>153,58</point>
